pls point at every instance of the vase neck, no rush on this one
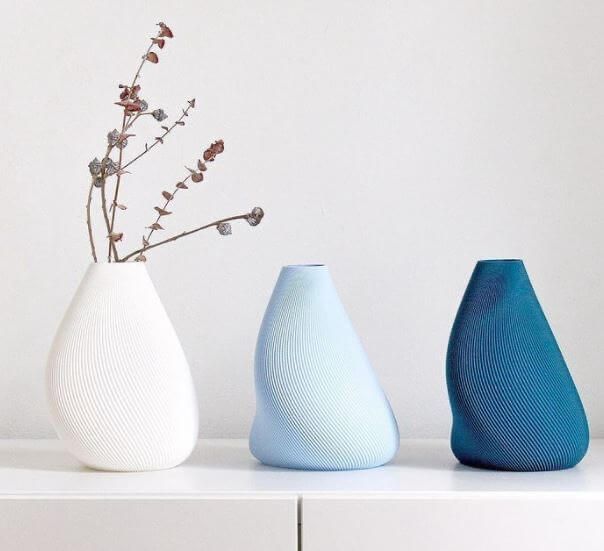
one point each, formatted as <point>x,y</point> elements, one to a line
<point>307,274</point>
<point>122,274</point>
<point>511,268</point>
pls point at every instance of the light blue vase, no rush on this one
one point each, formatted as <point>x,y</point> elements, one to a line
<point>319,405</point>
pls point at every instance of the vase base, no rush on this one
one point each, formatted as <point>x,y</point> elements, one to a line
<point>320,468</point>
<point>526,466</point>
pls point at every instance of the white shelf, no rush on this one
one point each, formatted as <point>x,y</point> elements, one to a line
<point>222,499</point>
<point>44,468</point>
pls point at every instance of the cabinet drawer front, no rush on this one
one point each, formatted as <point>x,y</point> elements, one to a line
<point>222,524</point>
<point>554,522</point>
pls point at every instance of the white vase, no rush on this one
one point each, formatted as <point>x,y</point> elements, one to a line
<point>119,388</point>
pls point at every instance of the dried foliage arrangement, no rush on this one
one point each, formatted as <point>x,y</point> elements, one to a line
<point>107,173</point>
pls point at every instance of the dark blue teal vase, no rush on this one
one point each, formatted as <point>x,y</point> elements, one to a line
<point>515,406</point>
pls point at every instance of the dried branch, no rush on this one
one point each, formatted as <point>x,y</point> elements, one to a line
<point>248,216</point>
<point>112,248</point>
<point>194,175</point>
<point>89,221</point>
<point>112,245</point>
<point>99,171</point>
<point>155,225</point>
<point>135,107</point>
<point>154,41</point>
<point>131,93</point>
<point>160,139</point>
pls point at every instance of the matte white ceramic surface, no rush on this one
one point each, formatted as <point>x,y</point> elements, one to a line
<point>119,388</point>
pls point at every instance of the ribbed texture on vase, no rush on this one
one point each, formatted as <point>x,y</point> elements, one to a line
<point>515,406</point>
<point>319,405</point>
<point>119,388</point>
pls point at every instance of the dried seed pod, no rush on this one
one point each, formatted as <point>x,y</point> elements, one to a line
<point>113,137</point>
<point>255,217</point>
<point>182,185</point>
<point>109,165</point>
<point>155,226</point>
<point>152,57</point>
<point>167,195</point>
<point>224,228</point>
<point>159,42</point>
<point>141,258</point>
<point>94,167</point>
<point>197,177</point>
<point>159,115</point>
<point>201,166</point>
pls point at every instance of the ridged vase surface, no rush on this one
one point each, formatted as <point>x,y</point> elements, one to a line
<point>119,388</point>
<point>515,405</point>
<point>319,405</point>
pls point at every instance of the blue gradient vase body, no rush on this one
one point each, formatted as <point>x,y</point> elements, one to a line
<point>515,406</point>
<point>319,405</point>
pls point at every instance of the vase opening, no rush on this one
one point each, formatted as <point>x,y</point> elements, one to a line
<point>118,264</point>
<point>494,260</point>
<point>305,266</point>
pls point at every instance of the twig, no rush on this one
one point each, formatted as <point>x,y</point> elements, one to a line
<point>108,225</point>
<point>185,113</point>
<point>144,60</point>
<point>134,118</point>
<point>184,234</point>
<point>89,221</point>
<point>104,203</point>
<point>213,150</point>
<point>151,230</point>
<point>112,245</point>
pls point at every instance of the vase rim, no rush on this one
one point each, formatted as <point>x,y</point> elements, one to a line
<point>111,264</point>
<point>494,260</point>
<point>304,266</point>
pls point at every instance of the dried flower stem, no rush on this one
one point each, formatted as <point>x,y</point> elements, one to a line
<point>143,61</point>
<point>121,168</point>
<point>135,107</point>
<point>184,234</point>
<point>89,221</point>
<point>112,245</point>
<point>104,210</point>
<point>176,123</point>
<point>135,118</point>
<point>151,230</point>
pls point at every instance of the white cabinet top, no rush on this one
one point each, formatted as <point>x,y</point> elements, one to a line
<point>225,467</point>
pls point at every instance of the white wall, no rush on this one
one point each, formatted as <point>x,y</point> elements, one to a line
<point>397,142</point>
